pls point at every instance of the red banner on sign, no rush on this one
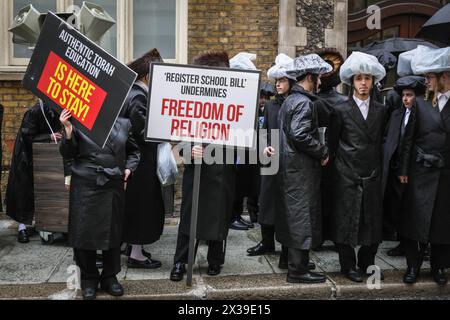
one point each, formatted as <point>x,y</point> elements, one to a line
<point>71,90</point>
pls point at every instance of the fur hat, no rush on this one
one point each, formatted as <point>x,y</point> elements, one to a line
<point>142,65</point>
<point>336,60</point>
<point>212,59</point>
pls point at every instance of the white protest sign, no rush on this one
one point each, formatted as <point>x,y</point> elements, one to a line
<point>203,105</point>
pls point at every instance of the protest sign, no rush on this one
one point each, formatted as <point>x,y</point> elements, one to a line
<point>203,105</point>
<point>69,71</point>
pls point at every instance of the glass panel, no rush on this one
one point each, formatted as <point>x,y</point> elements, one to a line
<point>109,40</point>
<point>22,51</point>
<point>154,27</point>
<point>393,32</point>
<point>356,5</point>
<point>375,37</point>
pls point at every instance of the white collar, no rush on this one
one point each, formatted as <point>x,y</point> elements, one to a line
<point>359,102</point>
<point>446,94</point>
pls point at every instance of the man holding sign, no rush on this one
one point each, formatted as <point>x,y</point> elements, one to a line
<point>216,201</point>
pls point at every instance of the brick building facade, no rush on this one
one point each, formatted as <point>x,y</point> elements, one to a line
<point>264,27</point>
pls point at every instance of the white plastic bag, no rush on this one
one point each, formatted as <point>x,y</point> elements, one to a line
<point>166,170</point>
<point>428,60</point>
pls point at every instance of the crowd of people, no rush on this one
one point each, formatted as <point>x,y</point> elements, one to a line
<point>351,167</point>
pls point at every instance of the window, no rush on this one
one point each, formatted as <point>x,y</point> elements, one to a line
<point>140,26</point>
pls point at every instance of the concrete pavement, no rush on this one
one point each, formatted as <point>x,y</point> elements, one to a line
<point>36,271</point>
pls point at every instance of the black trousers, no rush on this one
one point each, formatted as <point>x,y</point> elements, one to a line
<point>268,235</point>
<point>298,261</point>
<point>439,257</point>
<point>86,261</point>
<point>347,256</point>
<point>393,207</point>
<point>216,251</point>
<point>238,206</point>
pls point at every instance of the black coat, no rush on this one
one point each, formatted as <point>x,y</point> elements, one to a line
<point>217,191</point>
<point>356,148</point>
<point>326,101</point>
<point>393,146</point>
<point>271,195</point>
<point>144,207</point>
<point>298,224</point>
<point>97,195</point>
<point>20,189</point>
<point>427,215</point>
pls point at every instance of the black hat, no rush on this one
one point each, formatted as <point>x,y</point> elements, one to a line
<point>331,79</point>
<point>415,83</point>
<point>267,89</point>
<point>142,65</point>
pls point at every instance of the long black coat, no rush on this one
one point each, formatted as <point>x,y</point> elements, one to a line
<point>298,224</point>
<point>393,146</point>
<point>427,213</point>
<point>271,196</point>
<point>97,195</point>
<point>356,148</point>
<point>325,102</point>
<point>20,188</point>
<point>144,207</point>
<point>217,191</point>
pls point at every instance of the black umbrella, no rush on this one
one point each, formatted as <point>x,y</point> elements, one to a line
<point>437,28</point>
<point>387,59</point>
<point>397,45</point>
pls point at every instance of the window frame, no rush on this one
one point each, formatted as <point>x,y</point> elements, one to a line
<point>9,63</point>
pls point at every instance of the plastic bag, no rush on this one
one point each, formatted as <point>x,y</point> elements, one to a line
<point>428,60</point>
<point>166,170</point>
<point>361,63</point>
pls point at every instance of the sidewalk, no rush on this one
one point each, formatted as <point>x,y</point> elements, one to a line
<point>35,271</point>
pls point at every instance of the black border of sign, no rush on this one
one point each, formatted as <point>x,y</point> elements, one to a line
<point>255,121</point>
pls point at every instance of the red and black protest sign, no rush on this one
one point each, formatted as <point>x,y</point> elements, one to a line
<point>69,71</point>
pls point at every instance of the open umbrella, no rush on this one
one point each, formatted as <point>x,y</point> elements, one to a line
<point>387,59</point>
<point>397,45</point>
<point>437,28</point>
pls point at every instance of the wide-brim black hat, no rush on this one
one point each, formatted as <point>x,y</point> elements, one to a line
<point>415,83</point>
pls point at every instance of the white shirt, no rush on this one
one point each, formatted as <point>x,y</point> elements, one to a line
<point>443,99</point>
<point>363,106</point>
<point>407,114</point>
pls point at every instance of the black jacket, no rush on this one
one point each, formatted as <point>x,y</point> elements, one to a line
<point>20,189</point>
<point>144,207</point>
<point>96,209</point>
<point>356,148</point>
<point>298,224</point>
<point>271,195</point>
<point>427,217</point>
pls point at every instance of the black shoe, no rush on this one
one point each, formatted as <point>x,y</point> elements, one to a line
<point>246,223</point>
<point>22,237</point>
<point>237,225</point>
<point>128,248</point>
<point>398,251</point>
<point>89,293</point>
<point>112,287</point>
<point>147,264</point>
<point>439,277</point>
<point>260,249</point>
<point>411,275</point>
<point>308,278</point>
<point>353,275</point>
<point>177,272</point>
<point>213,270</point>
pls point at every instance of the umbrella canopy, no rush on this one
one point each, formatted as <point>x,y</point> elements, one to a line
<point>397,45</point>
<point>437,28</point>
<point>387,59</point>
